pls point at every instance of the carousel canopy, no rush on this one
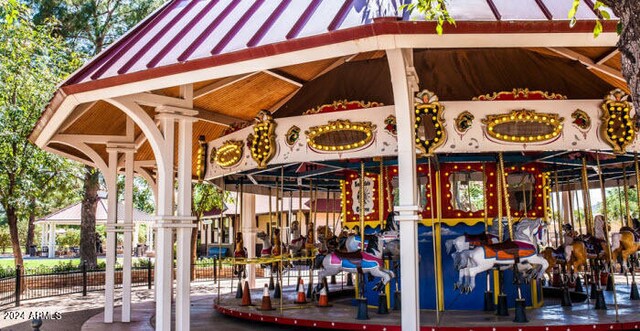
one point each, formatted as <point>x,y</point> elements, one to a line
<point>230,59</point>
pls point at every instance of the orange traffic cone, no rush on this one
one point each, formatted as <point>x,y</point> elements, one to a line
<point>323,301</point>
<point>266,299</point>
<point>301,296</point>
<point>246,296</point>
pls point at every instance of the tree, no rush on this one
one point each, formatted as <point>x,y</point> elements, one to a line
<point>88,26</point>
<point>31,62</point>
<point>627,12</point>
<point>205,198</point>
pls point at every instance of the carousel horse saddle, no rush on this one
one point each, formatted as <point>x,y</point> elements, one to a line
<point>509,250</point>
<point>477,239</point>
<point>636,235</point>
<point>351,260</point>
<point>558,253</point>
<point>592,244</point>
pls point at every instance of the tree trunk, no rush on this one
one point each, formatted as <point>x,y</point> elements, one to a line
<point>194,248</point>
<point>31,227</point>
<point>12,219</point>
<point>88,217</point>
<point>629,44</point>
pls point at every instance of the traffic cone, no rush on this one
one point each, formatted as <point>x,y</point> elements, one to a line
<point>277,293</point>
<point>271,285</point>
<point>266,299</point>
<point>323,301</point>
<point>246,296</point>
<point>239,291</point>
<point>600,303</point>
<point>301,299</point>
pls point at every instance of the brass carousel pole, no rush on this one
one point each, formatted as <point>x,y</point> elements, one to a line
<point>570,201</point>
<point>501,308</point>
<point>506,195</point>
<point>620,198</point>
<point>634,295</point>
<point>485,195</point>
<point>588,218</point>
<point>219,260</point>
<point>281,202</point>
<point>579,218</point>
<point>433,230</point>
<point>626,195</point>
<point>559,219</point>
<point>637,169</point>
<point>310,230</point>
<point>606,231</point>
<point>361,201</point>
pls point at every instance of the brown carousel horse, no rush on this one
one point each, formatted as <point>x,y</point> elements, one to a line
<point>588,247</point>
<point>557,257</point>
<point>625,243</point>
<point>276,249</point>
<point>240,252</point>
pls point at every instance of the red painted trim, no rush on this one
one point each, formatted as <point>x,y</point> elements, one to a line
<point>343,35</point>
<point>139,54</point>
<point>494,10</point>
<point>354,325</point>
<point>188,28</point>
<point>300,23</point>
<point>262,31</point>
<point>236,27</point>
<point>340,16</point>
<point>114,50</point>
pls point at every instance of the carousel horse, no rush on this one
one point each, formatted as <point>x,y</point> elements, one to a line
<point>466,241</point>
<point>557,256</point>
<point>240,252</point>
<point>389,233</point>
<point>522,250</point>
<point>327,241</point>
<point>625,243</point>
<point>272,250</point>
<point>298,241</point>
<point>585,247</point>
<point>368,261</point>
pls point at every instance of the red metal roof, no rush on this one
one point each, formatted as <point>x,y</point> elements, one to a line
<point>212,32</point>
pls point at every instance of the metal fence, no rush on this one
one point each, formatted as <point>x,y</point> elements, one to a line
<point>41,282</point>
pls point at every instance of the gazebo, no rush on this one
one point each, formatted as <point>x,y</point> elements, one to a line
<point>157,99</point>
<point>71,215</point>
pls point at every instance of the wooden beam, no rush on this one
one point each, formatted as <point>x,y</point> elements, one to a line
<point>588,62</point>
<point>156,100</point>
<point>284,77</point>
<point>220,84</point>
<point>90,138</point>
<point>608,56</point>
<point>217,118</point>
<point>76,114</point>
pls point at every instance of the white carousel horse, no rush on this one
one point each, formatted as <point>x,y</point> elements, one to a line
<point>523,250</point>
<point>468,241</point>
<point>298,241</point>
<point>389,234</point>
<point>370,261</point>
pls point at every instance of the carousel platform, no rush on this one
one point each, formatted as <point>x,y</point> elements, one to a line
<point>341,316</point>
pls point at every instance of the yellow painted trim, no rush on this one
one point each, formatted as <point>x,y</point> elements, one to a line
<point>426,222</point>
<point>496,286</point>
<point>356,287</point>
<point>387,288</point>
<point>534,294</point>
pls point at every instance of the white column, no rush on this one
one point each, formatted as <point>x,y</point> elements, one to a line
<point>404,82</point>
<point>127,229</point>
<point>164,231</point>
<point>43,235</point>
<point>249,231</point>
<point>136,234</point>
<point>52,240</point>
<point>112,202</point>
<point>149,230</point>
<point>185,220</point>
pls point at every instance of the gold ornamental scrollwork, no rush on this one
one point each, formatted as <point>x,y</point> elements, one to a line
<point>429,124</point>
<point>262,142</point>
<point>618,127</point>
<point>523,126</point>
<point>520,93</point>
<point>229,154</point>
<point>340,136</point>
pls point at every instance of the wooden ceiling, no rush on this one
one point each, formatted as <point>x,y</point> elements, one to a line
<point>458,74</point>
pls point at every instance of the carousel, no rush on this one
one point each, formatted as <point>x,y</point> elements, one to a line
<point>453,182</point>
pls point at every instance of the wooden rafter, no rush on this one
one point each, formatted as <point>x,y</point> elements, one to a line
<point>608,56</point>
<point>199,93</point>
<point>588,62</point>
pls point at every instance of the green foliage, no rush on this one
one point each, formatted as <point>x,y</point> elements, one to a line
<point>600,8</point>
<point>5,238</point>
<point>142,195</point>
<point>70,238</point>
<point>433,10</point>
<point>206,197</point>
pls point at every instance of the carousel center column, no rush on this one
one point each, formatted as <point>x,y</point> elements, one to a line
<point>405,82</point>
<point>249,230</point>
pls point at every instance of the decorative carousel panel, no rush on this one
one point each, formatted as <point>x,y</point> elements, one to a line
<point>520,94</point>
<point>424,189</point>
<point>429,124</point>
<point>351,191</point>
<point>262,141</point>
<point>523,126</point>
<point>340,135</point>
<point>229,154</point>
<point>342,105</point>
<point>463,190</point>
<point>526,190</point>
<point>618,126</point>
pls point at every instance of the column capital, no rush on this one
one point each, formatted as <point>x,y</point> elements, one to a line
<point>121,147</point>
<point>177,113</point>
<point>174,222</point>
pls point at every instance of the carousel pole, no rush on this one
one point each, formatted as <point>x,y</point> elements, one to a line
<point>626,195</point>
<point>579,219</point>
<point>310,232</point>
<point>219,264</point>
<point>606,232</point>
<point>363,314</point>
<point>299,223</point>
<point>588,218</point>
<point>634,294</point>
<point>571,218</point>
<point>558,220</point>
<point>433,227</point>
<point>502,309</point>
<point>620,198</point>
<point>506,196</point>
<point>280,195</point>
<point>489,305</point>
